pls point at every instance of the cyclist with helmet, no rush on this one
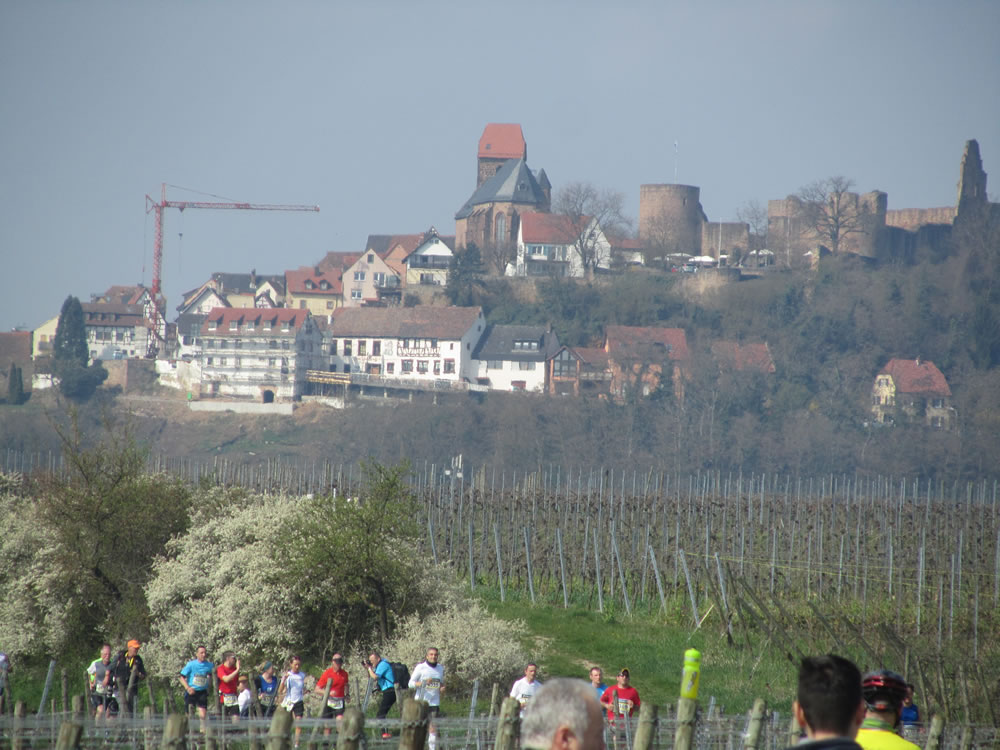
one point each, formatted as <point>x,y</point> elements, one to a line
<point>884,692</point>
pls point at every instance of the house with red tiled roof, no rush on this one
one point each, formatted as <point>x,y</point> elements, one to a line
<point>744,357</point>
<point>915,389</point>
<point>558,245</point>
<point>394,249</point>
<point>411,343</point>
<point>116,331</point>
<point>627,251</point>
<point>429,261</point>
<point>370,280</point>
<point>258,353</point>
<point>310,288</point>
<point>579,371</point>
<point>641,356</point>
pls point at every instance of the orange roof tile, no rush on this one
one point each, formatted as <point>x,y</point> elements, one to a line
<point>502,141</point>
<point>554,229</point>
<point>219,319</point>
<point>736,356</point>
<point>916,376</point>
<point>626,339</point>
<point>297,281</point>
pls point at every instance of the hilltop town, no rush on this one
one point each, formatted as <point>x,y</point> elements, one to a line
<point>403,316</point>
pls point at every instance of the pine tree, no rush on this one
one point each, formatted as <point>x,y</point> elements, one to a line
<point>15,386</point>
<point>70,354</point>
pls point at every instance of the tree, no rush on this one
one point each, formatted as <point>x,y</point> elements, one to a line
<point>497,255</point>
<point>70,354</point>
<point>754,214</point>
<point>465,277</point>
<point>15,386</point>
<point>592,216</point>
<point>833,212</point>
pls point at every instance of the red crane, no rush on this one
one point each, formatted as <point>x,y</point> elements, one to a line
<point>159,322</point>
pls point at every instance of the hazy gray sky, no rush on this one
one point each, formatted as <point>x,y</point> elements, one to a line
<point>373,111</point>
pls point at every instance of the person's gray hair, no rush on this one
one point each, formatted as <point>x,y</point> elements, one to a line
<point>557,702</point>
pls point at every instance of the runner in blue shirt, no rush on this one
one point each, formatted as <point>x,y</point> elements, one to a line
<point>195,678</point>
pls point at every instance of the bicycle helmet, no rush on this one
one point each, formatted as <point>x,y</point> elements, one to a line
<point>883,690</point>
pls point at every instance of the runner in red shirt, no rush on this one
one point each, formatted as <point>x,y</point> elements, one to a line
<point>621,699</point>
<point>340,688</point>
<point>228,672</point>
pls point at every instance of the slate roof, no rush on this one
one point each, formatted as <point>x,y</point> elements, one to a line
<point>501,140</point>
<point>551,229</point>
<point>423,321</point>
<point>593,356</point>
<point>189,324</point>
<point>513,183</point>
<point>916,376</point>
<point>277,317</point>
<point>498,343</point>
<point>753,357</point>
<point>112,313</point>
<point>297,281</point>
<point>628,340</point>
<point>378,243</point>
<point>239,283</point>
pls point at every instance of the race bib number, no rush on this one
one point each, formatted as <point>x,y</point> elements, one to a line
<point>287,704</point>
<point>263,697</point>
<point>199,681</point>
<point>228,699</point>
<point>100,688</point>
<point>432,684</point>
<point>335,703</point>
<point>525,699</point>
<point>623,706</point>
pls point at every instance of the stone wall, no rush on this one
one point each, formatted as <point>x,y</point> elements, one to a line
<point>671,218</point>
<point>913,218</point>
<point>729,236</point>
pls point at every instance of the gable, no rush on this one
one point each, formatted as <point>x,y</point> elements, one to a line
<point>502,141</point>
<point>916,376</point>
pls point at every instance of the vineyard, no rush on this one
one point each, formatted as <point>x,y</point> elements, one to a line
<point>889,571</point>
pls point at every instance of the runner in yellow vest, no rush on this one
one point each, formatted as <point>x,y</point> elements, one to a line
<point>884,692</point>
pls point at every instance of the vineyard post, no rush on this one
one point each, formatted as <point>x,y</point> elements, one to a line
<point>690,588</point>
<point>756,721</point>
<point>659,584</point>
<point>934,735</point>
<point>527,557</point>
<point>496,537</point>
<point>645,731</point>
<point>597,574</point>
<point>562,567</point>
<point>472,567</point>
<point>621,573</point>
<point>686,718</point>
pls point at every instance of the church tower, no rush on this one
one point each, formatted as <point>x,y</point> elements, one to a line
<point>498,143</point>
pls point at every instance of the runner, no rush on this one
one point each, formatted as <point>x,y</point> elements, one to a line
<point>266,685</point>
<point>526,687</point>
<point>244,698</point>
<point>294,685</point>
<point>622,699</point>
<point>428,679</point>
<point>597,682</point>
<point>381,671</point>
<point>228,673</point>
<point>101,684</point>
<point>340,687</point>
<point>195,678</point>
<point>122,668</point>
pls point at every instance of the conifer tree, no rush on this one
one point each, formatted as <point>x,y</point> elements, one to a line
<point>15,386</point>
<point>70,354</point>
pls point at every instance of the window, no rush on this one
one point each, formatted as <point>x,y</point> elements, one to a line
<point>449,366</point>
<point>378,278</point>
<point>238,344</point>
<point>501,229</point>
<point>222,361</point>
<point>309,284</point>
<point>362,348</point>
<point>437,366</point>
<point>390,368</point>
<point>284,344</point>
<point>222,343</point>
<point>355,294</point>
<point>494,364</point>
<point>273,343</point>
<point>333,346</point>
<point>937,403</point>
<point>237,361</point>
<point>406,365</point>
<point>250,325</point>
<point>213,325</point>
<point>525,366</point>
<point>376,348</point>
<point>371,257</point>
<point>270,362</point>
<point>348,349</point>
<point>233,324</point>
<point>347,368</point>
<point>329,304</point>
<point>324,284</point>
<point>422,366</point>
<point>359,275</point>
<point>302,304</point>
<point>333,368</point>
<point>208,361</point>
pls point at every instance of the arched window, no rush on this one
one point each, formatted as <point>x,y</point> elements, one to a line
<point>500,235</point>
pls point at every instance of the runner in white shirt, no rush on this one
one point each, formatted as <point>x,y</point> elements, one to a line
<point>294,683</point>
<point>428,679</point>
<point>525,688</point>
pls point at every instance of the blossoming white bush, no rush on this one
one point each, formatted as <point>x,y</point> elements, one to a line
<point>221,587</point>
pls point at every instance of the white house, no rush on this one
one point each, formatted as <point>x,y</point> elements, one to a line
<point>550,245</point>
<point>258,352</point>
<point>430,260</point>
<point>514,358</point>
<point>115,331</point>
<point>423,343</point>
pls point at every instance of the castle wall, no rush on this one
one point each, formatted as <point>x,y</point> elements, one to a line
<point>913,218</point>
<point>729,236</point>
<point>671,217</point>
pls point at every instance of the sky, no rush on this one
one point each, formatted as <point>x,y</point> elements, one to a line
<point>373,111</point>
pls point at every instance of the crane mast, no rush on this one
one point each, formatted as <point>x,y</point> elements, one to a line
<point>158,322</point>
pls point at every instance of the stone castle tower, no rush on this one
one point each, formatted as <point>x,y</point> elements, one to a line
<point>671,218</point>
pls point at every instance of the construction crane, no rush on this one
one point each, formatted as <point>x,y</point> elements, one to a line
<point>158,321</point>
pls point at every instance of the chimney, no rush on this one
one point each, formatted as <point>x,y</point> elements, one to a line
<point>253,279</point>
<point>918,361</point>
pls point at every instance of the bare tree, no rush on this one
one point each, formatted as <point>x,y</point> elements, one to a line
<point>497,255</point>
<point>832,211</point>
<point>754,214</point>
<point>592,215</point>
